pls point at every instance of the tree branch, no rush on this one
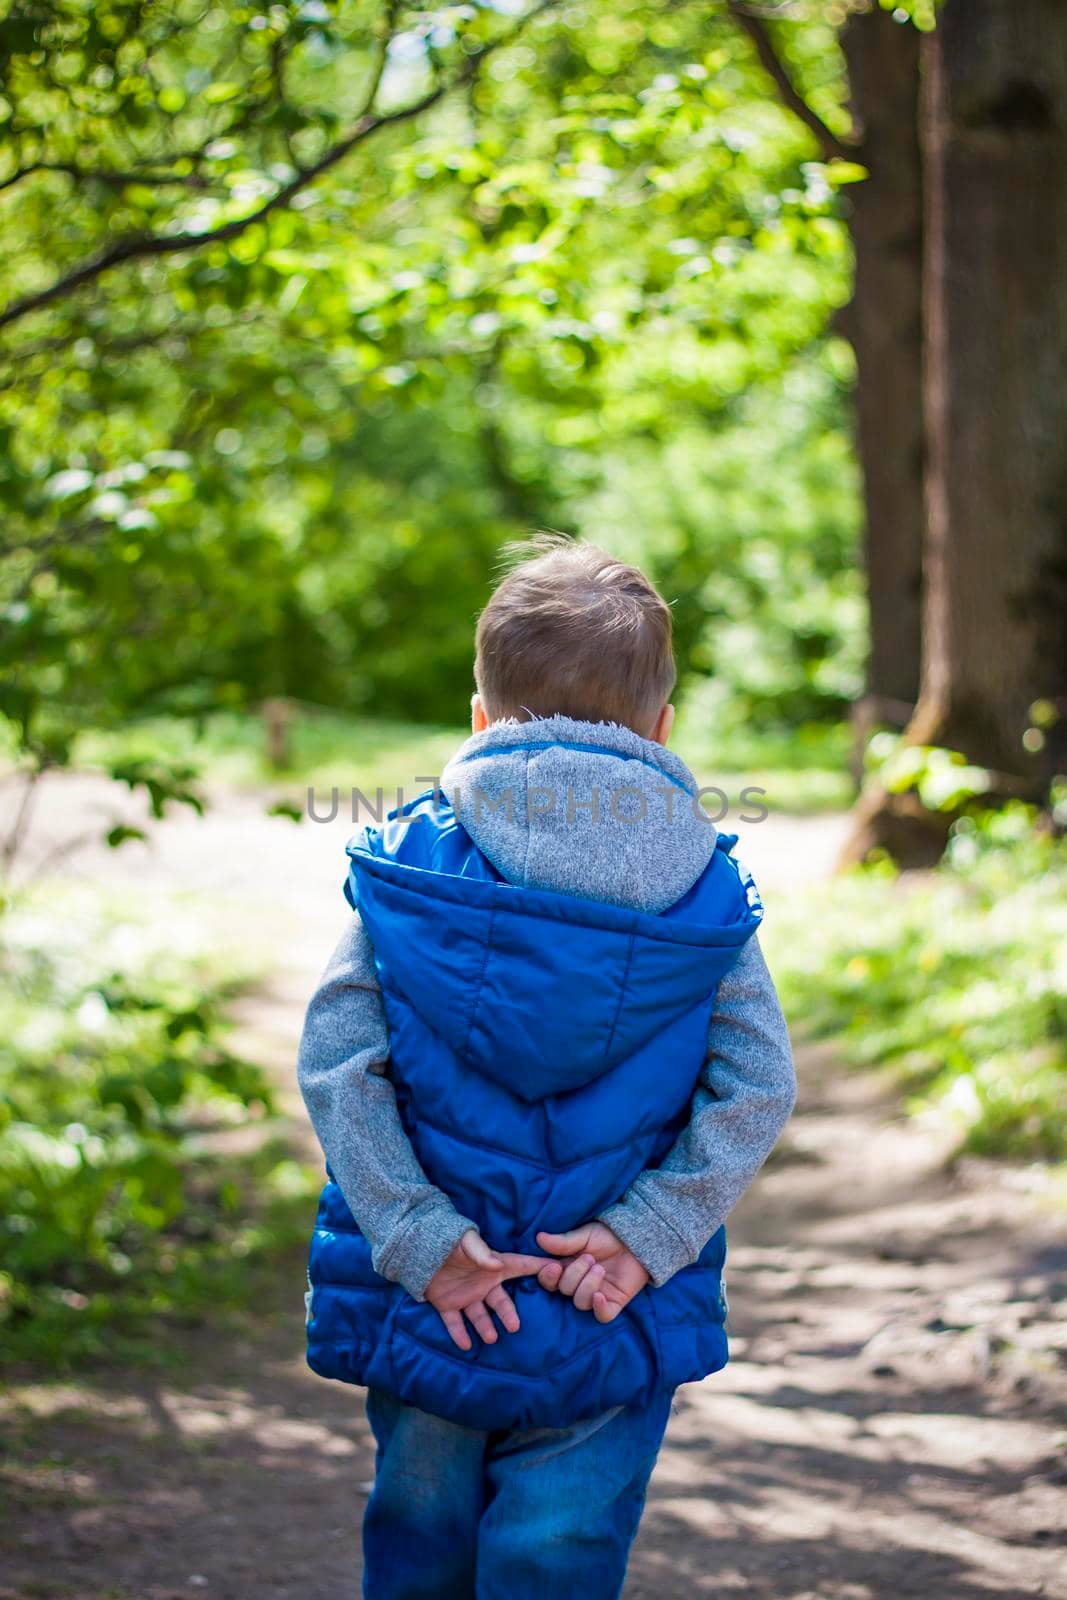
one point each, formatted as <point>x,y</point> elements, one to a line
<point>387,29</point>
<point>114,180</point>
<point>145,246</point>
<point>829,142</point>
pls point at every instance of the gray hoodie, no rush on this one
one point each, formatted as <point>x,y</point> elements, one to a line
<point>594,810</point>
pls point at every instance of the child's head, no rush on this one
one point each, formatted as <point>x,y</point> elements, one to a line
<point>572,631</point>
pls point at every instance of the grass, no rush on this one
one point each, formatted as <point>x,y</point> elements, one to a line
<point>957,978</point>
<point>802,770</point>
<point>325,749</point>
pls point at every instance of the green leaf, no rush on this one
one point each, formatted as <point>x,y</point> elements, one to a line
<point>122,834</point>
<point>839,173</point>
<point>218,93</point>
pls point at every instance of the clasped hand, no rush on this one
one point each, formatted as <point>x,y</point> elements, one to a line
<point>590,1264</point>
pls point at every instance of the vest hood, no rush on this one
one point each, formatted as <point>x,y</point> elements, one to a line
<point>584,808</point>
<point>539,991</point>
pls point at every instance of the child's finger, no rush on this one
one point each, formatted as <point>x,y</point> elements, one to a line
<point>475,1249</point>
<point>603,1310</point>
<point>453,1321</point>
<point>513,1265</point>
<point>583,1295</point>
<point>564,1244</point>
<point>504,1306</point>
<point>481,1321</point>
<point>573,1273</point>
<point>550,1274</point>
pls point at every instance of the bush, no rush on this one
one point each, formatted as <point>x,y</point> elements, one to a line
<point>955,977</point>
<point>116,1085</point>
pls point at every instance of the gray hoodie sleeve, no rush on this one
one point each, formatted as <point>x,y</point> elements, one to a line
<point>746,1092</point>
<point>343,1072</point>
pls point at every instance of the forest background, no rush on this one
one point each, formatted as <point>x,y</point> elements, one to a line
<point>306,310</point>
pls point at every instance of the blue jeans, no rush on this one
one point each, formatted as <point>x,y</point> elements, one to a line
<point>544,1514</point>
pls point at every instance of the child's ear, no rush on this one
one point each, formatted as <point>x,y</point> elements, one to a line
<point>479,720</point>
<point>664,723</point>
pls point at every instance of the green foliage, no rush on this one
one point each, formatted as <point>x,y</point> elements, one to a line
<point>923,13</point>
<point>944,780</point>
<point>116,1085</point>
<point>751,528</point>
<point>587,287</point>
<point>957,979</point>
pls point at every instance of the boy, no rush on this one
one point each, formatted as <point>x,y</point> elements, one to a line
<point>547,1052</point>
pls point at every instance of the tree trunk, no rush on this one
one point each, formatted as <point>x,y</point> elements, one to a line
<point>994,141</point>
<point>995,147</point>
<point>884,324</point>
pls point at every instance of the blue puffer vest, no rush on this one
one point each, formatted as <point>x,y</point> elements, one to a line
<point>545,1050</point>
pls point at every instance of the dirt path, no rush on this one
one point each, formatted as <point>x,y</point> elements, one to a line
<point>892,1424</point>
